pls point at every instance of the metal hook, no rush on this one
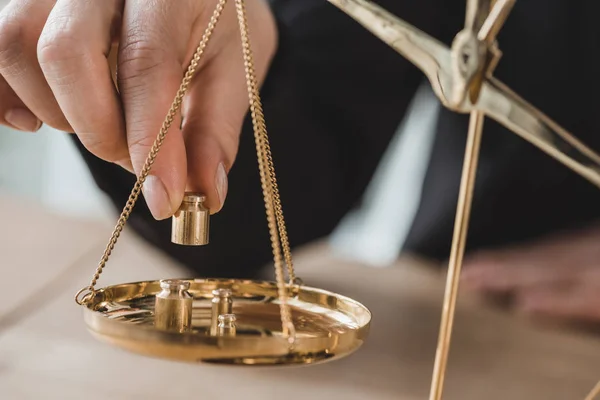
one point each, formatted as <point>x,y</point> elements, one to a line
<point>87,297</point>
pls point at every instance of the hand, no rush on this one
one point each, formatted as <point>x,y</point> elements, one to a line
<point>54,70</point>
<point>557,277</point>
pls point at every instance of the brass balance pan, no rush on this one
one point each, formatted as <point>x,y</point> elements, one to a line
<point>328,326</point>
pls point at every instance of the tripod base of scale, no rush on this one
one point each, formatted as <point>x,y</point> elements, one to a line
<point>236,322</point>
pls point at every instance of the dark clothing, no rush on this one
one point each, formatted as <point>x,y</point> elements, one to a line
<point>335,97</point>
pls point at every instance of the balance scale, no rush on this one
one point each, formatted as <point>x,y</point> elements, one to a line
<point>284,322</point>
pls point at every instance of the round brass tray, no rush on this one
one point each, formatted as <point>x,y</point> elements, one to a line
<point>328,326</point>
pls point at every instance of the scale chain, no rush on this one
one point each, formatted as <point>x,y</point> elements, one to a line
<point>267,174</point>
<point>274,211</point>
<point>260,126</point>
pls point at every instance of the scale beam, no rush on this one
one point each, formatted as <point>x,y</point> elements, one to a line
<point>494,99</point>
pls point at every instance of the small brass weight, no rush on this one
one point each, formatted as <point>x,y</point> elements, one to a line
<point>173,306</point>
<point>191,222</point>
<point>222,304</point>
<point>194,320</point>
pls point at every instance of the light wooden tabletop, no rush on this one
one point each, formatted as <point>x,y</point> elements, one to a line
<point>45,351</point>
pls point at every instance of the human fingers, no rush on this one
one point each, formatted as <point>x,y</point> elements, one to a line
<point>574,302</point>
<point>14,113</point>
<point>72,52</point>
<point>550,259</point>
<point>213,117</point>
<point>503,270</point>
<point>157,44</point>
<point>215,110</point>
<point>553,259</point>
<point>153,46</point>
<point>21,23</point>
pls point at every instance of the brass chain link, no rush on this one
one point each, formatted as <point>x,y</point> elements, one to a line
<point>276,222</point>
<point>264,150</point>
<point>267,176</point>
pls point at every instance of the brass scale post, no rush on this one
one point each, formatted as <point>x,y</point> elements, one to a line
<point>462,79</point>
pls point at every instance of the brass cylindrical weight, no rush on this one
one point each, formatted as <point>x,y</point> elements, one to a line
<point>173,306</point>
<point>190,224</point>
<point>227,325</point>
<point>221,304</point>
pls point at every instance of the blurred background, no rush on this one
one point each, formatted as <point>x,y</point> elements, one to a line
<point>45,167</point>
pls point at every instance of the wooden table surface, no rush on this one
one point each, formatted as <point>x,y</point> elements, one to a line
<point>46,352</point>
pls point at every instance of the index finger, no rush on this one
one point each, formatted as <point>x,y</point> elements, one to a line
<point>153,46</point>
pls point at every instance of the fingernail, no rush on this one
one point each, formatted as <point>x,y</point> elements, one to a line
<point>221,184</point>
<point>157,198</point>
<point>23,119</point>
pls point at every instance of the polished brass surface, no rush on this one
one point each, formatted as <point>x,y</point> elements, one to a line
<point>594,393</point>
<point>329,326</point>
<point>494,99</point>
<point>173,306</point>
<point>456,254</point>
<point>191,222</point>
<point>462,78</point>
<point>469,75</point>
<point>222,303</point>
<point>226,325</point>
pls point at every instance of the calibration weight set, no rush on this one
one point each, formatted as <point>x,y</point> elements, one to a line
<point>284,322</point>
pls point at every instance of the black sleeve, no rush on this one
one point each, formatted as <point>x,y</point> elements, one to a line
<point>333,99</point>
<point>358,86</point>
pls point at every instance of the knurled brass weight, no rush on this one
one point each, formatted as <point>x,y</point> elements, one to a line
<point>190,224</point>
<point>173,306</point>
<point>226,325</point>
<point>222,304</point>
